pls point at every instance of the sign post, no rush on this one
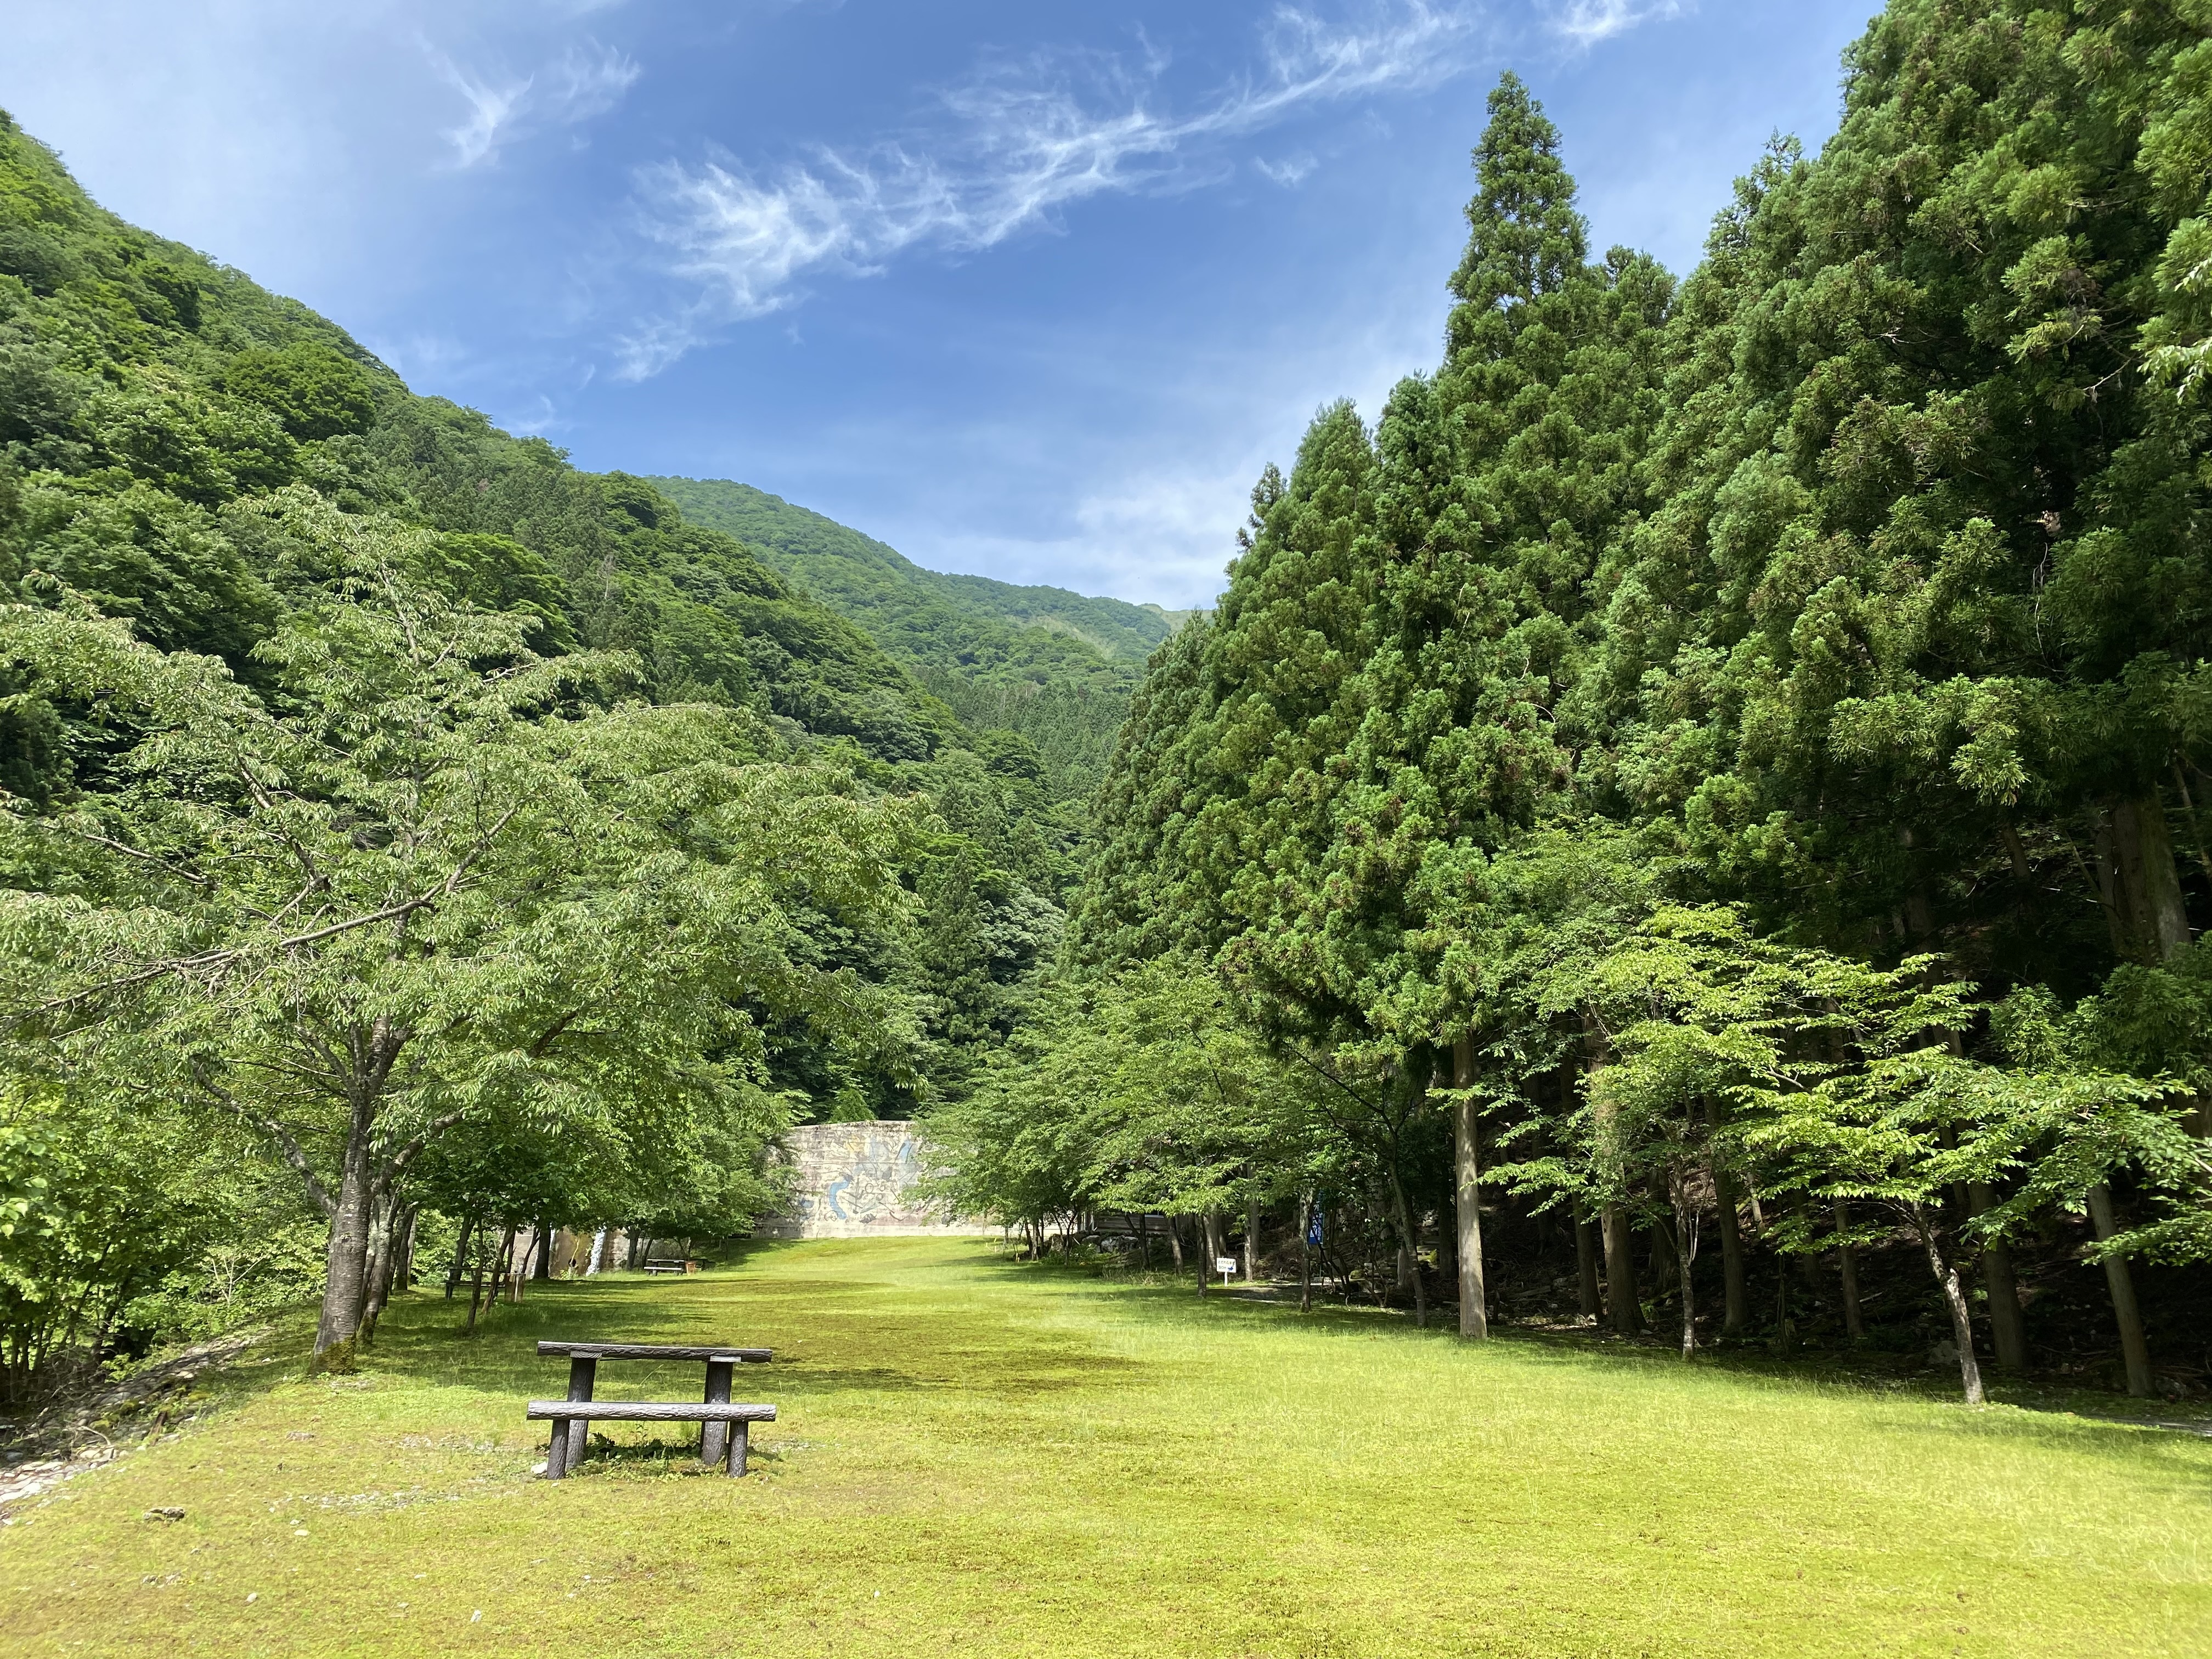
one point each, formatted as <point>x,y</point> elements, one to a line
<point>1226,1267</point>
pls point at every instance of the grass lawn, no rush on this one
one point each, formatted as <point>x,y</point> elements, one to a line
<point>979,1456</point>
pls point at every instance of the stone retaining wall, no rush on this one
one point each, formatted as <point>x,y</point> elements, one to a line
<point>856,1181</point>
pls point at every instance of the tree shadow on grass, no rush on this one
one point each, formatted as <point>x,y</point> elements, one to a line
<point>2017,1412</point>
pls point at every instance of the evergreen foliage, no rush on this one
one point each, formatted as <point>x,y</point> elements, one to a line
<point>1698,730</point>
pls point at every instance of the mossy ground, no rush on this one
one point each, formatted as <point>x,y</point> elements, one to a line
<point>977,1455</point>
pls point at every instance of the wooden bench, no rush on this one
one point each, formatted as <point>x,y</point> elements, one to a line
<point>584,1369</point>
<point>568,1415</point>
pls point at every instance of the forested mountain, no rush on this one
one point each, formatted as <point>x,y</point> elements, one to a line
<point>1719,757</point>
<point>1054,665</point>
<point>403,829</point>
<point>893,595</point>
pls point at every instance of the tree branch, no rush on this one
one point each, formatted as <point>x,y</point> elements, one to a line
<point>287,1147</point>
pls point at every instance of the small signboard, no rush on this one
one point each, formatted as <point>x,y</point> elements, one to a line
<point>1225,1266</point>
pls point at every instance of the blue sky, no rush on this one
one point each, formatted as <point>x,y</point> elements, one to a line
<point>1027,290</point>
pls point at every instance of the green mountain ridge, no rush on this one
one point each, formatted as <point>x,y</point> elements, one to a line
<point>1055,667</point>
<point>880,586</point>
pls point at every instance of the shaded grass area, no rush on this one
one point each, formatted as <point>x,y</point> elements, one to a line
<point>974,1454</point>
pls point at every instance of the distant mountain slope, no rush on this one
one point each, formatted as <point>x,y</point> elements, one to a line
<point>145,390</point>
<point>1053,666</point>
<point>885,591</point>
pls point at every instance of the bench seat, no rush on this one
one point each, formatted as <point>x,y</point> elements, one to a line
<point>657,1351</point>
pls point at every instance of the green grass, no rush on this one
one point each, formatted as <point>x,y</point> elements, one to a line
<point>979,1456</point>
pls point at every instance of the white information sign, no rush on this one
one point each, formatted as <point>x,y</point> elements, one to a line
<point>1225,1266</point>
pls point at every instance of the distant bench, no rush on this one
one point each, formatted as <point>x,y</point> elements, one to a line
<point>583,1377</point>
<point>568,1416</point>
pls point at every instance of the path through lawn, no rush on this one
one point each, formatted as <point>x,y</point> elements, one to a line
<point>979,1456</point>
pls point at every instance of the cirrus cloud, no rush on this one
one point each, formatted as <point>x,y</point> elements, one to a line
<point>1011,145</point>
<point>587,80</point>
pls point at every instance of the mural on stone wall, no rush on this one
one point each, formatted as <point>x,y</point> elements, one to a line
<point>856,1181</point>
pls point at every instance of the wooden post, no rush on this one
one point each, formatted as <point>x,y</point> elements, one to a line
<point>583,1374</point>
<point>738,1437</point>
<point>713,1441</point>
<point>557,1452</point>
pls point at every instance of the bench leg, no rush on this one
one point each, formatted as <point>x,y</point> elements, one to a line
<point>736,1456</point>
<point>583,1376</point>
<point>556,1453</point>
<point>714,1441</point>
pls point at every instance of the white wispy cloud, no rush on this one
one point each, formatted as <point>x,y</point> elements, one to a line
<point>1291,172</point>
<point>1015,142</point>
<point>1587,22</point>
<point>492,110</point>
<point>587,80</point>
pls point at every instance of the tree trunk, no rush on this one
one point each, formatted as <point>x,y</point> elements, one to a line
<point>545,1263</point>
<point>1686,1252</point>
<point>2133,1350</point>
<point>1175,1242</point>
<point>394,1238</point>
<point>1586,1292</point>
<point>383,1212</point>
<point>1305,1256</point>
<point>475,1287</point>
<point>407,1274</point>
<point>1198,1250</point>
<point>1847,1257</point>
<point>345,1260</point>
<point>1620,1272</point>
<point>1251,1240</point>
<point>1466,1158</point>
<point>1735,1302</point>
<point>460,1268</point>
<point>1216,1246</point>
<point>2008,1328</point>
<point>2150,882</point>
<point>2110,898</point>
<point>1954,1295</point>
<point>1410,1242</point>
<point>1735,1298</point>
